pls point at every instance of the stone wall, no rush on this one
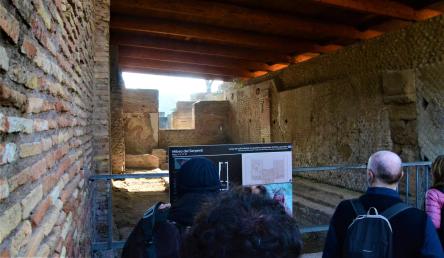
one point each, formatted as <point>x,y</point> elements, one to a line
<point>211,122</point>
<point>339,108</point>
<point>182,117</point>
<point>430,108</point>
<point>47,92</point>
<point>141,120</point>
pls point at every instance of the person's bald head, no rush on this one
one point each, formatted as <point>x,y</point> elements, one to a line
<point>386,166</point>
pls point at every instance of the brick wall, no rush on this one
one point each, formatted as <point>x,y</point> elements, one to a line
<point>385,93</point>
<point>211,118</point>
<point>250,113</point>
<point>117,133</point>
<point>101,114</point>
<point>47,87</point>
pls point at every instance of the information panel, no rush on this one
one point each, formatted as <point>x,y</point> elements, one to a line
<point>268,164</point>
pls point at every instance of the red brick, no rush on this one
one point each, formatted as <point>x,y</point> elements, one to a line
<point>29,48</point>
<point>69,189</point>
<point>50,180</point>
<point>31,200</point>
<point>63,121</point>
<point>25,8</point>
<point>4,59</point>
<point>50,160</point>
<point>61,106</point>
<point>18,124</point>
<point>9,24</point>
<point>40,211</point>
<point>8,153</point>
<point>11,97</point>
<point>40,125</point>
<point>20,179</point>
<point>4,188</point>
<point>59,246</point>
<point>4,251</point>
<point>38,169</point>
<point>30,149</point>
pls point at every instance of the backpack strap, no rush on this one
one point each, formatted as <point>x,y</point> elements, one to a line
<point>150,218</point>
<point>358,207</point>
<point>395,210</point>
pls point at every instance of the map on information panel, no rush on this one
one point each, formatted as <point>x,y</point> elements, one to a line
<point>266,168</point>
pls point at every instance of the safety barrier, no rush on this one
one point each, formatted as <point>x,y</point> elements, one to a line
<point>414,169</point>
<point>412,174</point>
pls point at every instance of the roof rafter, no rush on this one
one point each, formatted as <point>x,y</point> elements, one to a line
<point>132,69</point>
<point>229,15</point>
<point>191,58</point>
<point>184,68</point>
<point>137,40</point>
<point>215,34</point>
<point>384,7</point>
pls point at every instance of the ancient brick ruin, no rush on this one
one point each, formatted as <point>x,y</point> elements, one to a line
<point>65,113</point>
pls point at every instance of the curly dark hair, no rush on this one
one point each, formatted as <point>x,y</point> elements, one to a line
<point>242,224</point>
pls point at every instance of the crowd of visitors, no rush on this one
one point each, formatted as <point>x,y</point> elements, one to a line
<point>246,222</point>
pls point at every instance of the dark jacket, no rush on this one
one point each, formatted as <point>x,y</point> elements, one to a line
<point>167,233</point>
<point>413,233</point>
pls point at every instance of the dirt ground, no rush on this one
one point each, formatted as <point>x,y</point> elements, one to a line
<point>131,197</point>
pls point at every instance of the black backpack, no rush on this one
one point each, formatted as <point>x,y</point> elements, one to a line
<point>370,233</point>
<point>153,236</point>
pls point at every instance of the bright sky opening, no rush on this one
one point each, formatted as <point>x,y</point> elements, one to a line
<point>171,88</point>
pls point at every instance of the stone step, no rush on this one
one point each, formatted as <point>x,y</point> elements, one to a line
<point>312,255</point>
<point>314,203</point>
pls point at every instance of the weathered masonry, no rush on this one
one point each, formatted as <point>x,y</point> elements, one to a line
<point>338,79</point>
<point>54,96</point>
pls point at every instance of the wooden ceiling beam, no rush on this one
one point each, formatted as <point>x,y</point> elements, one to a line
<point>215,34</point>
<point>186,68</point>
<point>190,58</point>
<point>385,8</point>
<point>131,69</point>
<point>137,40</point>
<point>232,16</point>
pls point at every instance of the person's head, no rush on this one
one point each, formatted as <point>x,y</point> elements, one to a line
<point>256,189</point>
<point>243,224</point>
<point>384,169</point>
<point>438,171</point>
<point>197,175</point>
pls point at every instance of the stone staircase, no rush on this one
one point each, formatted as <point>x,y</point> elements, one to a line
<point>313,205</point>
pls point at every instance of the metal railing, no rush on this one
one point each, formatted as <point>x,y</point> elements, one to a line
<point>416,168</point>
<point>411,169</point>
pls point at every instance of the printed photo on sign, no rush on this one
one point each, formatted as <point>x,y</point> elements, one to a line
<point>266,168</point>
<point>282,193</point>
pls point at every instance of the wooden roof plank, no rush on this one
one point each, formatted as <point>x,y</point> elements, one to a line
<point>131,69</point>
<point>214,34</point>
<point>137,40</point>
<point>191,58</point>
<point>384,7</point>
<point>229,15</point>
<point>180,67</point>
